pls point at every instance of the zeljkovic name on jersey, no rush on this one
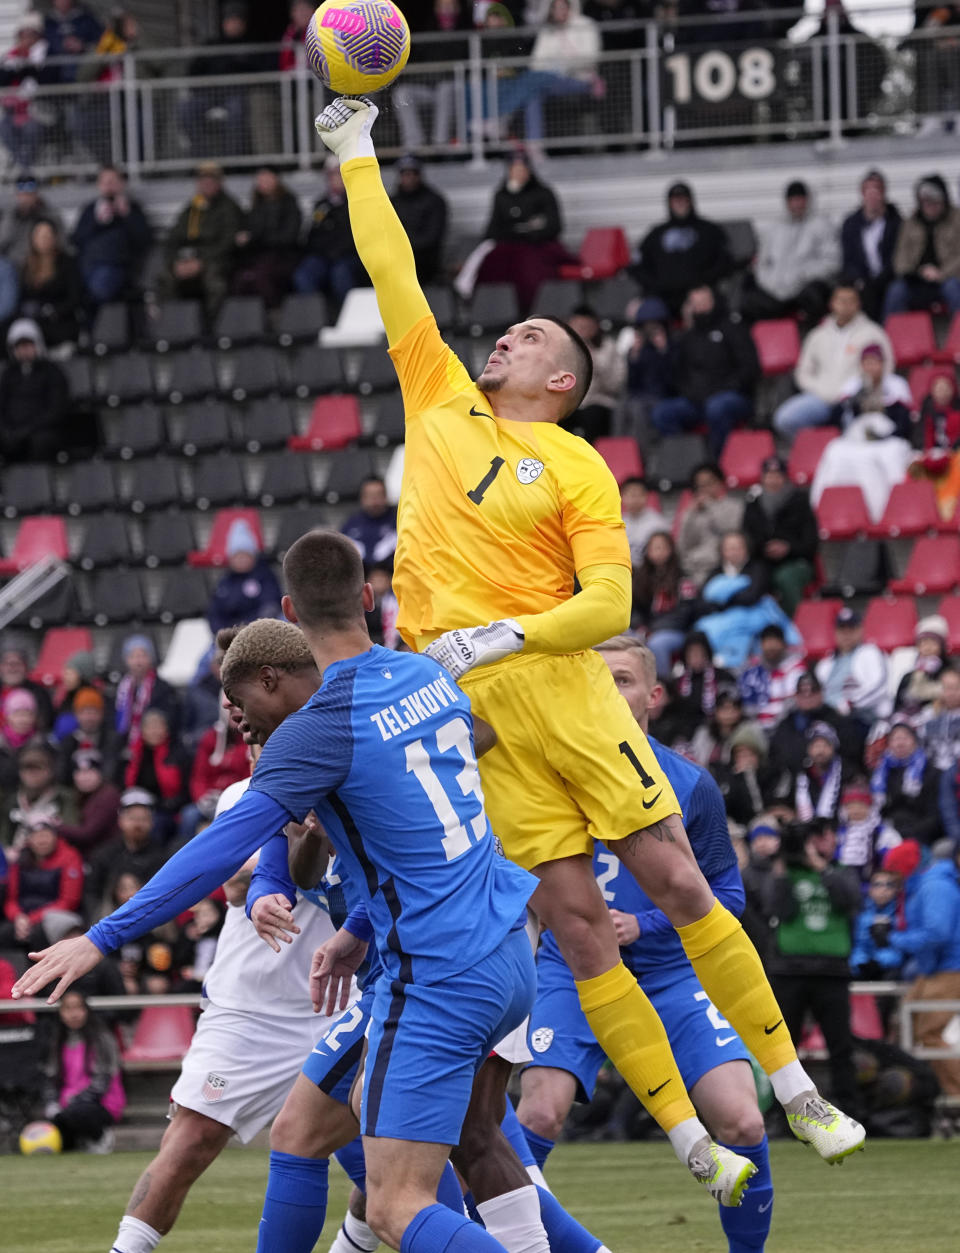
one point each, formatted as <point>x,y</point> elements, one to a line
<point>415,708</point>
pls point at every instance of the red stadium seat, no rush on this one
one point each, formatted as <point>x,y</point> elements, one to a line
<point>911,510</point>
<point>215,553</point>
<point>778,345</point>
<point>683,504</point>
<point>603,253</point>
<point>865,1020</point>
<point>949,607</point>
<point>814,620</point>
<point>934,566</point>
<point>743,456</point>
<point>37,537</point>
<point>911,337</point>
<point>59,644</point>
<point>622,455</point>
<point>842,513</point>
<point>806,452</point>
<point>163,1034</point>
<point>950,352</point>
<point>919,381</point>
<point>334,423</point>
<point>890,623</point>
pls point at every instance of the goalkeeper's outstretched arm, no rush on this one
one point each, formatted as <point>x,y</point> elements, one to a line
<point>344,126</point>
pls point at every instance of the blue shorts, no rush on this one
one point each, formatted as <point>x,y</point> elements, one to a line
<point>560,1036</point>
<point>427,1042</point>
<point>336,1057</point>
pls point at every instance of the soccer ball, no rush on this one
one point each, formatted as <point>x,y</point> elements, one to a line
<point>40,1137</point>
<point>357,46</point>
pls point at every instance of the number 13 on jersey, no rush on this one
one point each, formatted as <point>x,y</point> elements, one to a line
<point>452,736</point>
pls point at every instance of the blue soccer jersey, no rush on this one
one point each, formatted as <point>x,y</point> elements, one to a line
<point>383,753</point>
<point>705,819</point>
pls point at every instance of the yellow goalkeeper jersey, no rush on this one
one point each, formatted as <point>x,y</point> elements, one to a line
<point>495,517</point>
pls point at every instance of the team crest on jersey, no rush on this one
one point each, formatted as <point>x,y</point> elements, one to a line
<point>541,1039</point>
<point>529,469</point>
<point>213,1088</point>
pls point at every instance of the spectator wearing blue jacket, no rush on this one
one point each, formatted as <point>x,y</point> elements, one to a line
<point>70,29</point>
<point>931,942</point>
<point>111,238</point>
<point>873,956</point>
<point>249,588</point>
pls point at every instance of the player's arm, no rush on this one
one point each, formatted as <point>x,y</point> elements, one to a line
<point>381,241</point>
<point>308,852</point>
<point>593,526</point>
<point>484,736</point>
<point>191,874</point>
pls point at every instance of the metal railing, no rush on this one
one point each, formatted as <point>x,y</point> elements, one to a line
<point>899,991</point>
<point>659,84</point>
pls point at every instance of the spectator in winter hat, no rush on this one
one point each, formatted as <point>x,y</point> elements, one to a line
<point>34,398</point>
<point>926,260</point>
<point>905,785</point>
<point>158,765</point>
<point>37,794</point>
<point>99,803</point>
<point>745,782</point>
<point>131,851</point>
<point>863,836</point>
<point>14,667</point>
<point>140,688</point>
<point>79,671</point>
<point>44,888</point>
<point>93,730</point>
<point>921,685</point>
<point>877,389</point>
<point>763,835</point>
<point>18,725</point>
<point>818,787</point>
<point>683,252</point>
<point>248,588</point>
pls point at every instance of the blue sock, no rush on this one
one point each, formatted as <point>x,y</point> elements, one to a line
<point>437,1229</point>
<point>352,1160</point>
<point>295,1205</point>
<point>515,1134</point>
<point>748,1226</point>
<point>449,1192</point>
<point>563,1231</point>
<point>540,1146</point>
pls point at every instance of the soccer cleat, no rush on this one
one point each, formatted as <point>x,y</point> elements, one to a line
<point>723,1173</point>
<point>831,1132</point>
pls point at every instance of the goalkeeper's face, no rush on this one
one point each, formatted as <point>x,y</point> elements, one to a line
<point>530,360</point>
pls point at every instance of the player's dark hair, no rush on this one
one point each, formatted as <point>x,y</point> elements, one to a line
<point>630,480</point>
<point>584,362</point>
<point>323,572</point>
<point>225,637</point>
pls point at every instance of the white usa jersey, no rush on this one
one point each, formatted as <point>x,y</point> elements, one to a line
<point>246,973</point>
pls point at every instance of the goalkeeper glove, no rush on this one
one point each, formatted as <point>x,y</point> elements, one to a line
<point>459,651</point>
<point>344,126</point>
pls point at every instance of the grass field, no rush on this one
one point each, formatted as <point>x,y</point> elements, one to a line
<point>897,1196</point>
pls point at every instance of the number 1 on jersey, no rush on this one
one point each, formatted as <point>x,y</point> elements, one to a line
<point>477,494</point>
<point>634,761</point>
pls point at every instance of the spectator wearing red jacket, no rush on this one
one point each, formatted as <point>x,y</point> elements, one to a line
<point>156,765</point>
<point>44,889</point>
<point>221,759</point>
<point>936,434</point>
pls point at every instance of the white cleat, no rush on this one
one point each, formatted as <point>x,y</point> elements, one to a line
<point>832,1133</point>
<point>723,1173</point>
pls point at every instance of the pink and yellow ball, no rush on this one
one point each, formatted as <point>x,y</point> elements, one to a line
<point>356,47</point>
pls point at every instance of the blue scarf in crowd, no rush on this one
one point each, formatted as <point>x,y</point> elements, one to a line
<point>913,768</point>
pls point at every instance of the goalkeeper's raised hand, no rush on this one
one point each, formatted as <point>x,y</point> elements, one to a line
<point>461,650</point>
<point>344,126</point>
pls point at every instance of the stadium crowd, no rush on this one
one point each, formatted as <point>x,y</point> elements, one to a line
<point>841,777</point>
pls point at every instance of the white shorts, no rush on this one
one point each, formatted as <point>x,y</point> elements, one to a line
<point>513,1048</point>
<point>240,1066</point>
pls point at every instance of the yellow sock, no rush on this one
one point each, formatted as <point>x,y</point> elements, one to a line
<point>727,965</point>
<point>631,1034</point>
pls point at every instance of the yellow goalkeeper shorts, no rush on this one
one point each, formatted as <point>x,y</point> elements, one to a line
<point>570,764</point>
